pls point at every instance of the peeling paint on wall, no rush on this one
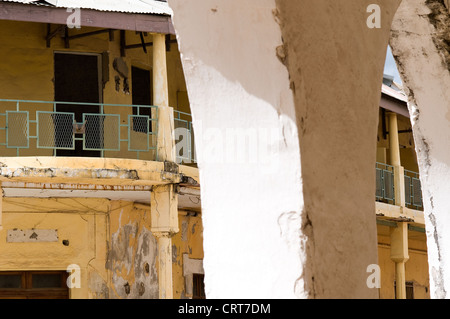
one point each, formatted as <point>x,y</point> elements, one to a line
<point>31,235</point>
<point>98,287</point>
<point>132,255</point>
<point>440,19</point>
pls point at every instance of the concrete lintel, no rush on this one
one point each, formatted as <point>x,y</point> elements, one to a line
<point>396,212</point>
<point>98,171</point>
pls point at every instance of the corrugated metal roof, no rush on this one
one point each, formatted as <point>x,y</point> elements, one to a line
<point>128,6</point>
<point>399,95</point>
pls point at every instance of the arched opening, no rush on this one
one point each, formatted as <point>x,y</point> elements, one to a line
<point>419,44</point>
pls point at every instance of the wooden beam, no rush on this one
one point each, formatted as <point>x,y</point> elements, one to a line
<point>87,34</point>
<point>138,45</point>
<point>66,38</point>
<point>144,46</point>
<point>51,34</point>
<point>89,18</point>
<point>122,43</point>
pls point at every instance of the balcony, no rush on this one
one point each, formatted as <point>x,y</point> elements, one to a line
<point>42,128</point>
<point>385,187</point>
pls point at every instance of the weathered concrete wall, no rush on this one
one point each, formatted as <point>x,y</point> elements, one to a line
<point>235,81</point>
<point>335,62</point>
<point>312,71</point>
<point>188,242</point>
<point>110,241</point>
<point>132,252</point>
<point>81,227</point>
<point>27,67</point>
<point>419,41</point>
<point>416,267</point>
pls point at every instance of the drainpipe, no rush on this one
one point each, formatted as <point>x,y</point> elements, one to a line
<point>164,200</point>
<point>399,234</point>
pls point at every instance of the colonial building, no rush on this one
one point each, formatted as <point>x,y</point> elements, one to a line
<point>98,168</point>
<point>312,71</point>
<point>402,247</point>
<point>99,200</point>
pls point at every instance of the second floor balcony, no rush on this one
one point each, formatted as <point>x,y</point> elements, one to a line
<point>385,187</point>
<point>43,128</point>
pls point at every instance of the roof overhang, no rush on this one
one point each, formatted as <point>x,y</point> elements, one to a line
<point>394,105</point>
<point>394,101</point>
<point>89,18</point>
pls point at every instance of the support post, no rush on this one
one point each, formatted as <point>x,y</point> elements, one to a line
<point>394,145</point>
<point>166,139</point>
<point>399,255</point>
<point>164,216</point>
<point>1,207</point>
<point>399,171</point>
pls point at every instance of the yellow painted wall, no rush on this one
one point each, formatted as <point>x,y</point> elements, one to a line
<point>111,241</point>
<point>406,140</point>
<point>28,71</point>
<point>82,222</point>
<point>188,241</point>
<point>416,267</point>
<point>132,253</point>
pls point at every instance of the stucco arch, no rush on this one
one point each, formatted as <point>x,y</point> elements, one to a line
<point>311,71</point>
<point>419,41</point>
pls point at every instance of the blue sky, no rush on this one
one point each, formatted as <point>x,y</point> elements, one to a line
<point>390,67</point>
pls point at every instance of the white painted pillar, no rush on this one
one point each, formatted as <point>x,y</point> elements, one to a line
<point>400,255</point>
<point>424,68</point>
<point>164,219</point>
<point>160,86</point>
<point>165,138</point>
<point>394,145</point>
<point>267,223</point>
<point>394,151</point>
<point>165,279</point>
<point>252,209</point>
<point>1,207</point>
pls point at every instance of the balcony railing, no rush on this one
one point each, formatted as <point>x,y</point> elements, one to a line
<point>184,138</point>
<point>385,191</point>
<point>385,183</point>
<point>413,190</point>
<point>42,128</point>
<point>39,128</point>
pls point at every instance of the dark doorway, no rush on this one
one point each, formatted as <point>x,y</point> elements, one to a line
<point>34,285</point>
<point>198,286</point>
<point>141,95</point>
<point>77,80</point>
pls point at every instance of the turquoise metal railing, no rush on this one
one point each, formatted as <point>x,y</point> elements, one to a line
<point>385,183</point>
<point>184,138</point>
<point>413,190</point>
<point>31,128</point>
<point>385,186</point>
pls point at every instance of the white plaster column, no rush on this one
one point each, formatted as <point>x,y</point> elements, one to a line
<point>160,85</point>
<point>165,277</point>
<point>302,223</point>
<point>1,207</point>
<point>394,151</point>
<point>399,255</point>
<point>165,138</point>
<point>394,145</point>
<point>164,219</point>
<point>418,45</point>
<point>252,202</point>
